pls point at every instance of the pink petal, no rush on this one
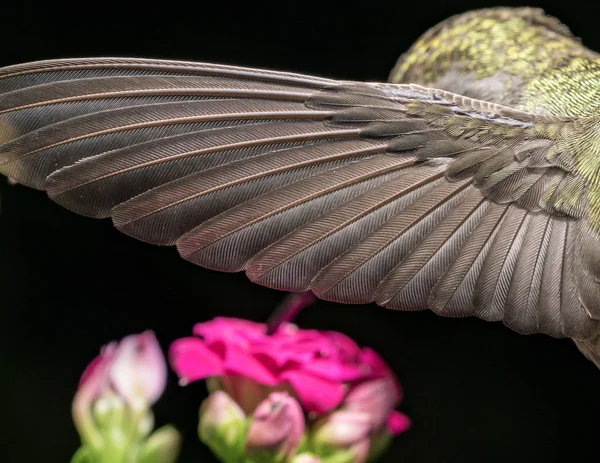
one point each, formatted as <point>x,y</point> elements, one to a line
<point>277,357</point>
<point>290,330</point>
<point>192,360</point>
<point>335,371</point>
<point>397,423</point>
<point>377,397</point>
<point>95,377</point>
<point>222,324</point>
<point>277,425</point>
<point>343,428</point>
<point>316,394</point>
<point>296,343</point>
<point>376,365</point>
<point>291,335</point>
<point>229,330</point>
<point>241,363</point>
<point>379,368</point>
<point>346,348</point>
<point>91,370</point>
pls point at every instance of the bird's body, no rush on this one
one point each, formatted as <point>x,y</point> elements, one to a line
<point>516,57</point>
<point>474,192</point>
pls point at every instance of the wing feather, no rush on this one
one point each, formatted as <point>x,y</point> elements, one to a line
<point>355,276</point>
<point>410,197</point>
<point>239,233</point>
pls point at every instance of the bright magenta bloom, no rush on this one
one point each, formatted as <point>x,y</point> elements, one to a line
<point>320,367</point>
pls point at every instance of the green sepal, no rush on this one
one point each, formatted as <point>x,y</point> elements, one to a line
<point>379,445</point>
<point>264,456</point>
<point>162,446</point>
<point>84,454</point>
<point>338,456</point>
<point>227,441</point>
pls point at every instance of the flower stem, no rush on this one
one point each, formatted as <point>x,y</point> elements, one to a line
<point>84,421</point>
<point>289,309</point>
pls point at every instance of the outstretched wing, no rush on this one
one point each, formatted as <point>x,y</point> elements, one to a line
<point>406,196</point>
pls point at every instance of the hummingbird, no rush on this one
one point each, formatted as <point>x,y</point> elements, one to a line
<point>468,184</point>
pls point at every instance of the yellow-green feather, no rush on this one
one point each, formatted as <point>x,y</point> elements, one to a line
<point>554,73</point>
<point>542,68</point>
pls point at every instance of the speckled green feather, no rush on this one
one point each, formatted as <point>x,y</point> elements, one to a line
<point>528,60</point>
<point>543,67</point>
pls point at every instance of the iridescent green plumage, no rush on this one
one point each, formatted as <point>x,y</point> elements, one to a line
<point>528,60</point>
<point>521,57</point>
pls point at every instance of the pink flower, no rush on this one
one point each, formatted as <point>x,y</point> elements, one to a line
<point>277,426</point>
<point>319,367</point>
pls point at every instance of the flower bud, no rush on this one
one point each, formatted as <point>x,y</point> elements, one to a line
<point>222,426</point>
<point>305,457</point>
<point>139,369</point>
<point>111,408</point>
<point>276,429</point>
<point>376,397</point>
<point>343,437</point>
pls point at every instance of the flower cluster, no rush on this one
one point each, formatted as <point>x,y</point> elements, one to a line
<point>277,394</point>
<point>293,395</point>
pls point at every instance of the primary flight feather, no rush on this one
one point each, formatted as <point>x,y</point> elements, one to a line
<point>469,185</point>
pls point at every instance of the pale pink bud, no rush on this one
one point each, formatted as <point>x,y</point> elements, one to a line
<point>217,410</point>
<point>346,431</point>
<point>139,369</point>
<point>95,377</point>
<point>376,397</point>
<point>132,372</point>
<point>277,426</point>
<point>222,426</point>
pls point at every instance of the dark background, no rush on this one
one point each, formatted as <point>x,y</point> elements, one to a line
<point>476,392</point>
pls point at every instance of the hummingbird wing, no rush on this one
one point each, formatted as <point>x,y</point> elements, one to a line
<point>410,197</point>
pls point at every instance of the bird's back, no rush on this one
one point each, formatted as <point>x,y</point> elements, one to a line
<point>518,57</point>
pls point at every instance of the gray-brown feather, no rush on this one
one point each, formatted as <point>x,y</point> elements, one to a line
<point>410,197</point>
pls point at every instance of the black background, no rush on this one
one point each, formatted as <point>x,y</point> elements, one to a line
<point>476,392</point>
